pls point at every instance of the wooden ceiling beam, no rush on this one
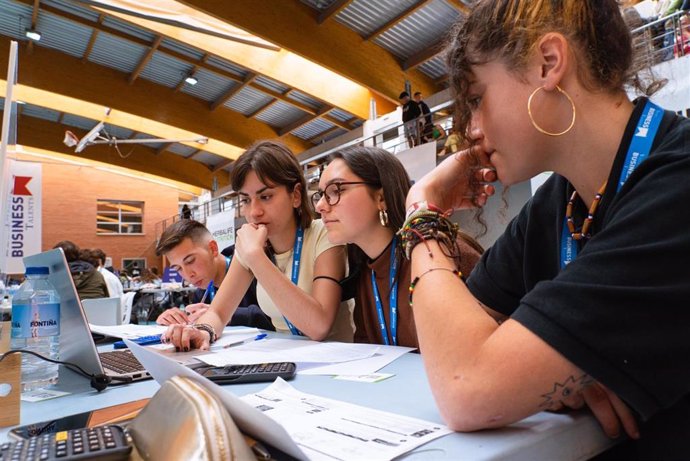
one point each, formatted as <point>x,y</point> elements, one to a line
<point>397,20</point>
<point>221,165</point>
<point>145,60</point>
<point>92,39</point>
<point>228,95</point>
<point>459,5</point>
<point>423,56</point>
<point>316,139</point>
<point>334,121</point>
<point>258,110</point>
<point>290,24</point>
<point>34,21</point>
<point>164,147</point>
<point>335,8</point>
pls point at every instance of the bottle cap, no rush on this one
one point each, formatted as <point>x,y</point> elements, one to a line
<point>41,270</point>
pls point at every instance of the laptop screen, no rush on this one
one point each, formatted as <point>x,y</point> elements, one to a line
<point>76,343</point>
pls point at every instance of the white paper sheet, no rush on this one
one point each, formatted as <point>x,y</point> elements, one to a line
<point>384,355</point>
<point>289,350</point>
<point>328,429</point>
<point>229,337</point>
<point>247,418</point>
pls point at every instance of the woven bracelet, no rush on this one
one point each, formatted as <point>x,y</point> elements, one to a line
<point>208,329</point>
<point>418,278</point>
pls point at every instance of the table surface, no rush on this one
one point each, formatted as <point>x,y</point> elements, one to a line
<point>574,436</point>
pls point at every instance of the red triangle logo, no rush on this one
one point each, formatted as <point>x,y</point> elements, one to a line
<point>20,183</point>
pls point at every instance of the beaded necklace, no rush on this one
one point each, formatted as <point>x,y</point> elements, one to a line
<point>584,231</point>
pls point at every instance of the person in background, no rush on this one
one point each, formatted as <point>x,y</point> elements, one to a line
<point>452,144</point>
<point>89,282</point>
<point>190,249</point>
<point>297,270</point>
<point>584,299</point>
<point>410,114</point>
<point>115,288</point>
<point>361,199</point>
<point>426,124</point>
<point>186,213</point>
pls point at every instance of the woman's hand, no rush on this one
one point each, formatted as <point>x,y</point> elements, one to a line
<point>186,338</point>
<point>458,182</point>
<point>173,316</point>
<point>251,242</point>
<point>194,311</point>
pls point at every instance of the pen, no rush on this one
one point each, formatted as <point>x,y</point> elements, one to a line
<point>208,289</point>
<point>256,338</point>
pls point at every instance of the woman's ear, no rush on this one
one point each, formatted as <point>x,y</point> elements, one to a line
<point>297,196</point>
<point>553,58</point>
<point>380,199</point>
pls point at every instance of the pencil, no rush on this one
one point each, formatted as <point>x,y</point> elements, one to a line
<point>208,289</point>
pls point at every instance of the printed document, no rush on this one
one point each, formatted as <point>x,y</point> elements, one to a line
<point>327,429</point>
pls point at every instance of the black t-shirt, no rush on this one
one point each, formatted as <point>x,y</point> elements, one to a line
<point>411,111</point>
<point>249,297</point>
<point>620,310</point>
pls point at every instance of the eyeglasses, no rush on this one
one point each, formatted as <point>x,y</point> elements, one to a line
<point>333,191</point>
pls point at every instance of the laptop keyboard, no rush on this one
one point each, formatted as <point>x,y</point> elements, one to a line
<point>122,362</point>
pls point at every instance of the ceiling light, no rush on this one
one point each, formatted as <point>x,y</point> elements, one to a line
<point>192,80</point>
<point>33,35</point>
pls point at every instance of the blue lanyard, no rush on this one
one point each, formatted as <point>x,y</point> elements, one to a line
<point>296,256</point>
<point>392,300</point>
<point>212,290</point>
<point>638,151</point>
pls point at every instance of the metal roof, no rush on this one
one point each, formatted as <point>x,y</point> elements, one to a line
<point>77,30</point>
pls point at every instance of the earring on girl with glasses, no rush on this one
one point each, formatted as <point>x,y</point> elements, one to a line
<point>383,218</point>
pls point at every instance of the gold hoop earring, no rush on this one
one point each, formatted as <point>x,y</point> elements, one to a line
<point>534,123</point>
<point>383,217</point>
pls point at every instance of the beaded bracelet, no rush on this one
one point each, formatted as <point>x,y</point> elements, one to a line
<point>416,279</point>
<point>425,225</point>
<point>208,329</point>
<point>422,205</point>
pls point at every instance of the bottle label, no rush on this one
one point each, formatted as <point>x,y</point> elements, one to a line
<point>35,320</point>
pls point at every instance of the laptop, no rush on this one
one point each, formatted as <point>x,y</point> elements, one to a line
<point>76,343</point>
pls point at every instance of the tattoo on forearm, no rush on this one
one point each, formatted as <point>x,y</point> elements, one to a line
<point>561,391</point>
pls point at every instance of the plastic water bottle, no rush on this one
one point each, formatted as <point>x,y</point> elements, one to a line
<point>6,309</point>
<point>36,327</point>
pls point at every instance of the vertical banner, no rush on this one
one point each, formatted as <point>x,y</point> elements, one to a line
<point>222,228</point>
<point>22,220</point>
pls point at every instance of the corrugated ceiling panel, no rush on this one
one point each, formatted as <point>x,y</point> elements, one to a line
<point>14,18</point>
<point>166,70</point>
<point>280,114</point>
<point>227,66</point>
<point>248,100</point>
<point>334,135</point>
<point>40,112</point>
<point>128,28</point>
<point>271,84</point>
<point>63,35</point>
<point>365,16</point>
<point>78,122</point>
<point>341,115</point>
<point>181,149</point>
<point>73,8</point>
<point>208,158</point>
<point>312,129</point>
<point>116,53</point>
<point>420,30</point>
<point>434,68</point>
<point>211,86</point>
<point>319,4</point>
<point>182,48</point>
<point>118,131</point>
<point>304,99</point>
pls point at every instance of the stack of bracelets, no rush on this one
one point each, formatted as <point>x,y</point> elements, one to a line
<point>428,222</point>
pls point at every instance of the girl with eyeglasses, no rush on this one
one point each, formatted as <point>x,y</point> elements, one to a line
<point>588,287</point>
<point>297,269</point>
<point>361,202</point>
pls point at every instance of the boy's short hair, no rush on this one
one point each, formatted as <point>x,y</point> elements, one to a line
<point>180,230</point>
<point>404,94</point>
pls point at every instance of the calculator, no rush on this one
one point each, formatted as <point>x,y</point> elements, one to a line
<point>105,443</point>
<point>236,374</point>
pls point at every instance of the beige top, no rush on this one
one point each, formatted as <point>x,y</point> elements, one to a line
<point>315,243</point>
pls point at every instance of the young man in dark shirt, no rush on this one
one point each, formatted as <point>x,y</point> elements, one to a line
<point>410,113</point>
<point>191,250</point>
